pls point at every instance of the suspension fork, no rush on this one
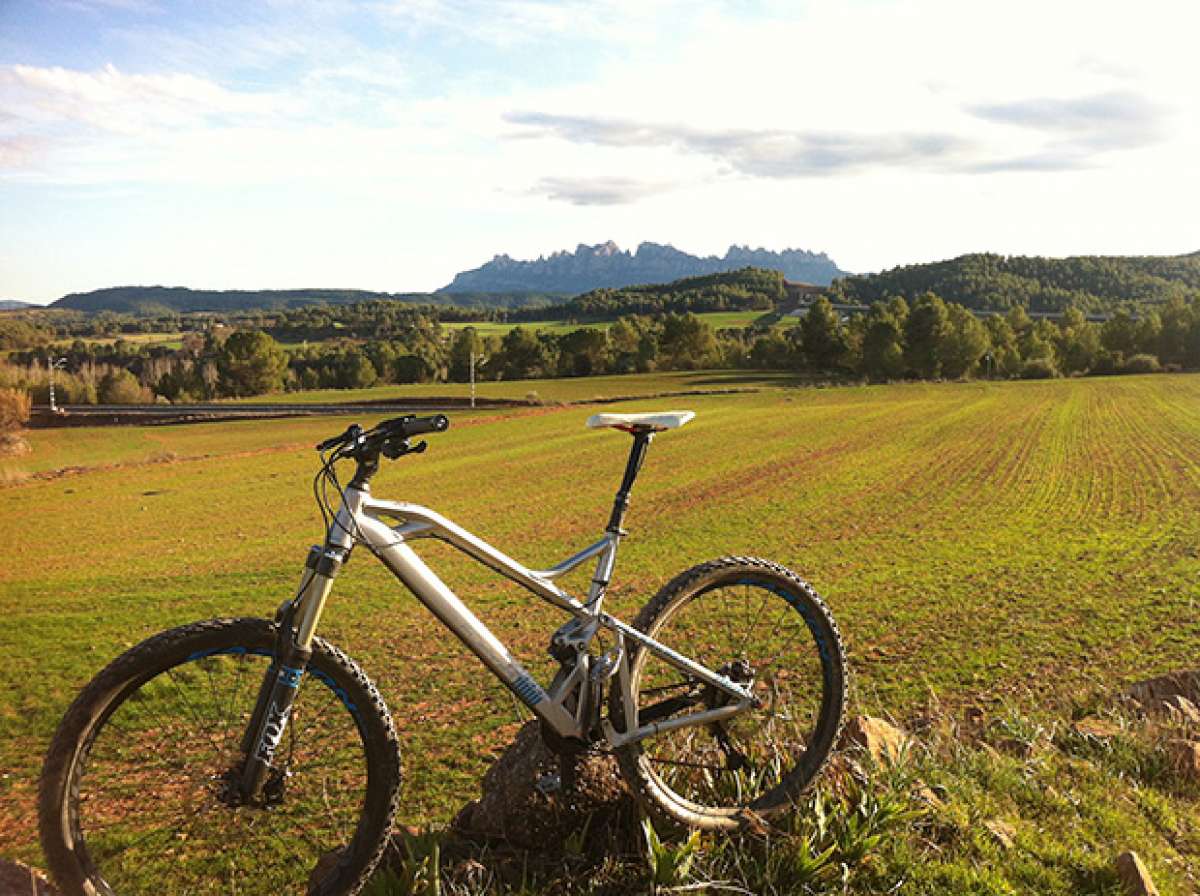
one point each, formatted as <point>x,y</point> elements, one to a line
<point>297,621</point>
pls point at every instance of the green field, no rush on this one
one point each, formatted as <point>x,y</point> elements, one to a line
<point>163,340</point>
<point>1022,544</point>
<point>564,389</point>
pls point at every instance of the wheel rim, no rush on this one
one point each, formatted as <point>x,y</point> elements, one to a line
<point>149,810</point>
<point>758,632</point>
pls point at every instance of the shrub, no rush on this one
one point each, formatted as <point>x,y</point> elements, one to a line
<point>15,406</point>
<point>121,387</point>
<point>1141,364</point>
<point>1038,369</point>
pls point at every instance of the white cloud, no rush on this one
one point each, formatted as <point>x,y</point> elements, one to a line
<point>108,100</point>
<point>599,190</point>
<point>883,132</point>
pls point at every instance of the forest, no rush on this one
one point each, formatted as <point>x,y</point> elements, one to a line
<point>997,282</point>
<point>895,340</point>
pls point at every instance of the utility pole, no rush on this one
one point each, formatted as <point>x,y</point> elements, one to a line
<point>482,361</point>
<point>53,364</point>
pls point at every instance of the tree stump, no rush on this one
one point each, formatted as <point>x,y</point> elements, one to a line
<point>534,799</point>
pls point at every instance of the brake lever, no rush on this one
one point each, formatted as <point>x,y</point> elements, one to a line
<point>393,450</point>
<point>352,433</point>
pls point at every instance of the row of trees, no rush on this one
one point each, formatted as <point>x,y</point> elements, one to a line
<point>929,340</point>
<point>935,339</point>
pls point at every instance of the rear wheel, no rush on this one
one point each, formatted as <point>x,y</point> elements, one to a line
<point>761,625</point>
<point>136,792</point>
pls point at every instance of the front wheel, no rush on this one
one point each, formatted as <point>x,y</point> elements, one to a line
<point>761,625</point>
<point>138,791</point>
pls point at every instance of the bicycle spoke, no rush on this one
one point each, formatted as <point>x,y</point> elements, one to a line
<point>762,642</point>
<point>150,792</point>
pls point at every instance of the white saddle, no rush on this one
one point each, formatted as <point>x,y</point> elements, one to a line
<point>631,422</point>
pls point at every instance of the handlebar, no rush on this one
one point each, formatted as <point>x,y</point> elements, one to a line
<point>396,430</point>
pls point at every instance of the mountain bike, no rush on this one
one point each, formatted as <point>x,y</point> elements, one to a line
<point>251,756</point>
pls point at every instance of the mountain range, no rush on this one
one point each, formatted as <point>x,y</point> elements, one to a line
<point>607,265</point>
<point>981,281</point>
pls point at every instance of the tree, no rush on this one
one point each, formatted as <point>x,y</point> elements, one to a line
<point>1018,320</point>
<point>964,343</point>
<point>1078,343</point>
<point>582,352</point>
<point>772,350</point>
<point>1148,334</point>
<point>925,330</point>
<point>623,338</point>
<point>1178,318</point>
<point>1120,334</point>
<point>883,344</point>
<point>687,342</point>
<point>822,337</point>
<point>251,363</point>
<point>1037,342</point>
<point>355,371</point>
<point>522,355</point>
<point>121,387</point>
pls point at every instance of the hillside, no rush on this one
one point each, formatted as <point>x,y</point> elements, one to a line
<point>14,305</point>
<point>166,299</point>
<point>741,290</point>
<point>997,282</point>
<point>607,266</point>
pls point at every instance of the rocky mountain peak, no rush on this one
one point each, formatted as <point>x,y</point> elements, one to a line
<point>607,265</point>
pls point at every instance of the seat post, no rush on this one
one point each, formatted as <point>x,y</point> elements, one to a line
<point>637,455</point>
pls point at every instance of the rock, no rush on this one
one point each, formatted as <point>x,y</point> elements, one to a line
<point>1135,878</point>
<point>18,879</point>
<point>1002,831</point>
<point>882,740</point>
<point>522,806</point>
<point>1101,729</point>
<point>1151,693</point>
<point>1185,757</point>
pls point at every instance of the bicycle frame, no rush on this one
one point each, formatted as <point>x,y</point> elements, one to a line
<point>361,517</point>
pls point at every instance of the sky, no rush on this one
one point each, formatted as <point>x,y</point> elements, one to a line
<point>388,144</point>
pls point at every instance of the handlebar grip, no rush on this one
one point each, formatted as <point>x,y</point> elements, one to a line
<point>421,425</point>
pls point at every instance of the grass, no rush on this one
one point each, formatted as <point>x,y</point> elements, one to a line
<point>975,541</point>
<point>568,389</point>
<point>954,813</point>
<point>162,340</point>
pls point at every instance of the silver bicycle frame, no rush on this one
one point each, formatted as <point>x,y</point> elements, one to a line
<point>387,528</point>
